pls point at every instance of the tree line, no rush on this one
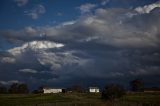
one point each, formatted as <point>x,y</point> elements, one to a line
<point>114,91</point>
<point>109,91</point>
<point>14,88</point>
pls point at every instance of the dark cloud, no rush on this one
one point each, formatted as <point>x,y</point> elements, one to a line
<point>111,44</point>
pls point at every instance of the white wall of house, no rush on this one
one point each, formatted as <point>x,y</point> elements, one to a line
<point>52,90</point>
<point>94,90</point>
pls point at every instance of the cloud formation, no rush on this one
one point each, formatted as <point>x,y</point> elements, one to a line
<point>36,11</point>
<point>28,71</point>
<point>121,31</point>
<point>109,44</point>
<point>7,60</point>
<point>148,8</point>
<point>34,46</point>
<point>104,2</point>
<point>21,3</point>
<point>86,8</point>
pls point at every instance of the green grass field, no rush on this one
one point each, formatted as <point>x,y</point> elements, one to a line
<point>78,99</point>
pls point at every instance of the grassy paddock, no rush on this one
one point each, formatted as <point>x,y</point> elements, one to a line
<point>147,99</point>
<point>78,99</point>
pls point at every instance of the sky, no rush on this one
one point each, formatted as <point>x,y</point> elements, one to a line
<point>60,43</point>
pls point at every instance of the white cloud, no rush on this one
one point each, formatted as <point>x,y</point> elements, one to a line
<point>147,8</point>
<point>28,71</point>
<point>60,60</point>
<point>21,3</point>
<point>36,11</point>
<point>86,8</point>
<point>68,23</point>
<point>35,45</point>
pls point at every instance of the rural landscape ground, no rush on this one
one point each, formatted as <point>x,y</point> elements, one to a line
<point>79,99</point>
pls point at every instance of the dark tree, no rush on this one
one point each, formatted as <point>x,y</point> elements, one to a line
<point>39,90</point>
<point>77,88</point>
<point>13,88</point>
<point>3,89</point>
<point>22,88</point>
<point>18,88</point>
<point>137,85</point>
<point>113,91</point>
<point>36,91</point>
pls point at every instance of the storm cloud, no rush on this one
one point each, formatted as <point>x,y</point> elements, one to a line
<point>109,44</point>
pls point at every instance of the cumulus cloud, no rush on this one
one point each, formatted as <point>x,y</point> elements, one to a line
<point>29,33</point>
<point>34,46</point>
<point>111,27</point>
<point>21,3</point>
<point>99,28</point>
<point>36,11</point>
<point>86,8</point>
<point>147,8</point>
<point>61,60</point>
<point>111,43</point>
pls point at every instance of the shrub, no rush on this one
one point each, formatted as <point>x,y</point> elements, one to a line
<point>112,92</point>
<point>137,85</point>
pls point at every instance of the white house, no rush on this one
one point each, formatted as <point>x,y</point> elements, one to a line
<point>93,89</point>
<point>52,90</point>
